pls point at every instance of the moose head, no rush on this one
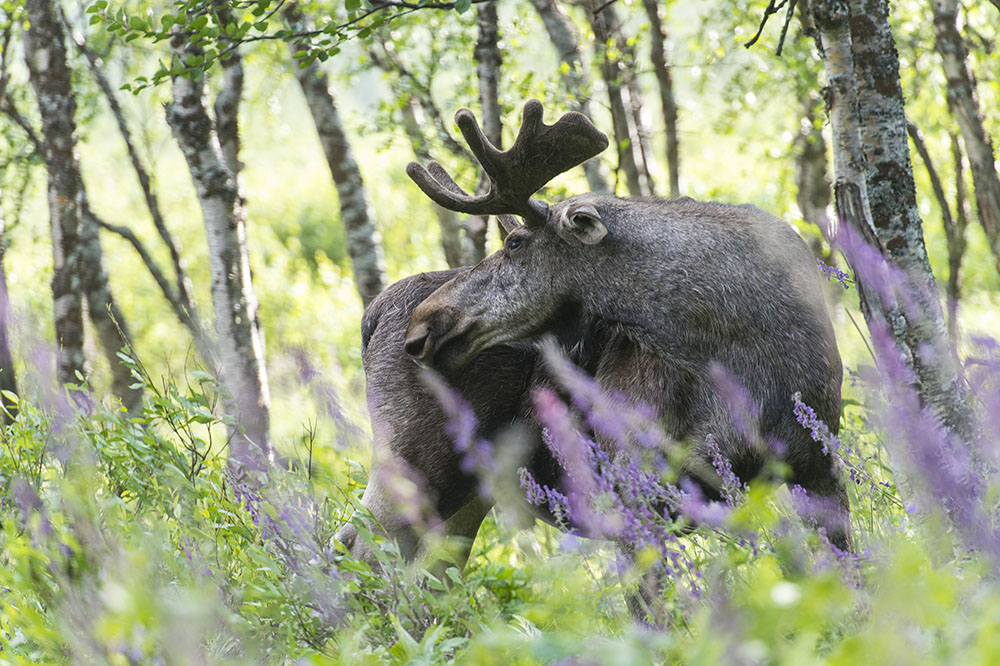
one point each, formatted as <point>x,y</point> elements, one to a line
<point>448,329</point>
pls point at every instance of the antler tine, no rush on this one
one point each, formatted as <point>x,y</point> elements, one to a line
<point>540,153</point>
<point>435,182</point>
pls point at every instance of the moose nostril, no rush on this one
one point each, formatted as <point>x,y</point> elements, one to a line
<point>415,342</point>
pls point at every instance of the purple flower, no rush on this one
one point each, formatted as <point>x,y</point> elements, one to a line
<point>834,274</point>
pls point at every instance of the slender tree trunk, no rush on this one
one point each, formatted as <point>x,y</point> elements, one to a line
<point>879,202</point>
<point>628,66</point>
<point>964,105</point>
<point>8,379</point>
<point>78,266</point>
<point>109,323</point>
<point>448,221</point>
<point>612,74</point>
<point>488,61</point>
<point>638,127</point>
<point>892,194</point>
<point>956,240</point>
<point>954,227</point>
<point>563,37</point>
<point>665,83</point>
<point>241,349</point>
<point>811,179</point>
<point>364,244</point>
<point>45,54</point>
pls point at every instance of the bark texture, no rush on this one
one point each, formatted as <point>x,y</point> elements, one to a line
<point>604,23</point>
<point>78,264</point>
<point>50,77</point>
<point>488,62</point>
<point>563,37</point>
<point>876,195</point>
<point>364,244</point>
<point>240,341</point>
<point>964,105</point>
<point>665,84</point>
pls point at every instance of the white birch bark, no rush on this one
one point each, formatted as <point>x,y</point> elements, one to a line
<point>240,343</point>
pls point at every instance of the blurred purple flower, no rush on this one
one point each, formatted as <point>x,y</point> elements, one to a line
<point>477,453</point>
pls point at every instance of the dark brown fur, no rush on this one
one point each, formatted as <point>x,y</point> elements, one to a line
<point>691,292</point>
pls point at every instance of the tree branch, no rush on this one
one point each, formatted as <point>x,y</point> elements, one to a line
<point>147,259</point>
<point>180,299</point>
<point>773,7</point>
<point>425,98</point>
<point>8,107</point>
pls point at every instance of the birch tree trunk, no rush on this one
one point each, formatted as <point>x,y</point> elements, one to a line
<point>563,37</point>
<point>78,263</point>
<point>611,72</point>
<point>964,105</point>
<point>240,343</point>
<point>488,61</point>
<point>8,380</point>
<point>879,202</point>
<point>892,194</point>
<point>45,55</point>
<point>665,84</point>
<point>364,244</point>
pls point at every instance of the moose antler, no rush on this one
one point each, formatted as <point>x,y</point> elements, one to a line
<point>540,153</point>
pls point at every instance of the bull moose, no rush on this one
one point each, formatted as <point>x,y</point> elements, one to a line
<point>664,297</point>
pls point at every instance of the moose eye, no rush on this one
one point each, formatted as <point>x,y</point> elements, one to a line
<point>513,243</point>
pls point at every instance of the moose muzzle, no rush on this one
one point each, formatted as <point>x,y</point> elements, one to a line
<point>431,330</point>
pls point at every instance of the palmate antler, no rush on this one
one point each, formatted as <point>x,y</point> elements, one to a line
<point>540,153</point>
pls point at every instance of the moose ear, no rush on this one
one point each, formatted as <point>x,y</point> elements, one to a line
<point>583,223</point>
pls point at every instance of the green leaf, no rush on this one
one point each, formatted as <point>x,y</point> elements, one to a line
<point>462,6</point>
<point>199,23</point>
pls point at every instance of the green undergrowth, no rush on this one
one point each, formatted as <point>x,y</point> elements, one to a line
<point>127,541</point>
